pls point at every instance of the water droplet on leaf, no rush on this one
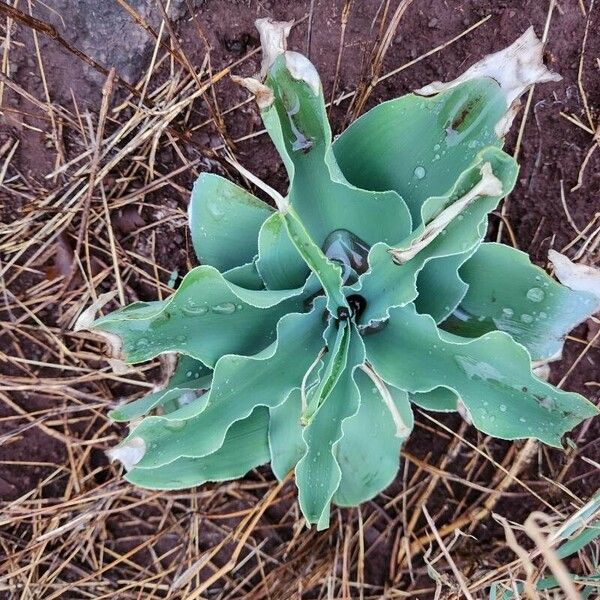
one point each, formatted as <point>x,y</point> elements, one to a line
<point>535,294</point>
<point>225,308</point>
<point>419,172</point>
<point>194,309</point>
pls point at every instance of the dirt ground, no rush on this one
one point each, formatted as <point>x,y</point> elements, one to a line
<point>93,195</point>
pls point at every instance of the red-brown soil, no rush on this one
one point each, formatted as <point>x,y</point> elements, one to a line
<point>133,544</point>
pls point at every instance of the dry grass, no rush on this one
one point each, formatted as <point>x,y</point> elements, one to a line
<point>78,530</point>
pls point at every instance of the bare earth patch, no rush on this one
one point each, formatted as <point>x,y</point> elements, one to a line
<point>95,171</point>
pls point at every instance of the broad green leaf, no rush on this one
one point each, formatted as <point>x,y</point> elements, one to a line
<point>318,473</point>
<point>320,197</point>
<point>328,273</point>
<point>224,222</point>
<point>388,284</point>
<point>440,287</point>
<point>319,193</point>
<point>419,146</point>
<point>285,430</point>
<point>491,374</point>
<point>240,384</point>
<point>245,447</point>
<point>285,435</point>
<point>507,292</point>
<point>279,263</point>
<point>206,318</point>
<point>368,453</point>
<point>338,346</point>
<point>440,399</point>
<point>188,380</point>
<point>246,276</point>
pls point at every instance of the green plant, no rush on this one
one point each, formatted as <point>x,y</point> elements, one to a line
<point>313,327</point>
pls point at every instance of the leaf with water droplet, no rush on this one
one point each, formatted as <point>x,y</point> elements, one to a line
<point>206,300</point>
<point>240,384</point>
<point>224,221</point>
<point>190,377</point>
<point>244,448</point>
<point>506,288</point>
<point>462,238</point>
<point>419,172</point>
<point>411,129</point>
<point>318,474</point>
<point>492,368</point>
<point>369,463</point>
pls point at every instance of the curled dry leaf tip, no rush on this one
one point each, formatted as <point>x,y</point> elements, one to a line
<point>578,277</point>
<point>273,40</point>
<point>515,68</point>
<point>129,453</point>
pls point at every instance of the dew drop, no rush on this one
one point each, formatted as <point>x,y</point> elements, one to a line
<point>526,318</point>
<point>535,294</point>
<point>225,308</point>
<point>194,309</point>
<point>508,312</point>
<point>188,374</point>
<point>419,172</point>
<point>503,408</point>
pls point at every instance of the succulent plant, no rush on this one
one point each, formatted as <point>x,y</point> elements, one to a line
<point>310,328</point>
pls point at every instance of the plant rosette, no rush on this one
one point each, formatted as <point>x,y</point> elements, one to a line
<point>311,328</point>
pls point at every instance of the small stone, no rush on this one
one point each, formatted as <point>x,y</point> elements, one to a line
<point>432,23</point>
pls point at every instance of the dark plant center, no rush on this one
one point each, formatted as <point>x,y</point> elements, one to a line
<point>357,305</point>
<point>355,308</point>
<point>348,250</point>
